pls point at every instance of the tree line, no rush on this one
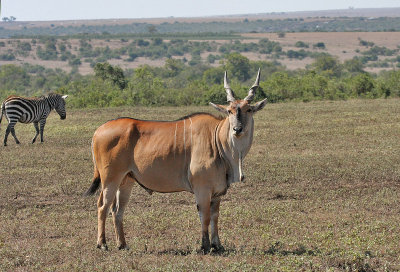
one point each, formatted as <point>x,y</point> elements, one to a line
<point>329,24</point>
<point>177,83</point>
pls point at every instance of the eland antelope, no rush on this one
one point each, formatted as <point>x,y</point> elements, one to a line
<point>199,153</point>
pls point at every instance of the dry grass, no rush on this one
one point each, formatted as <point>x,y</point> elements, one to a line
<point>322,191</point>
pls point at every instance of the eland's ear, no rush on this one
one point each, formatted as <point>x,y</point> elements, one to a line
<point>219,108</point>
<point>259,105</point>
<point>64,96</point>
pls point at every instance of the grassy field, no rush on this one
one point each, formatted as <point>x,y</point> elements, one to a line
<point>322,194</point>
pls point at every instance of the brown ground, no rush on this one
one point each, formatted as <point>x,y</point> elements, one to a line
<point>321,194</point>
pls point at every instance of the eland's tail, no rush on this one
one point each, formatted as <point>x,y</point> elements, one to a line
<point>95,184</point>
<point>96,178</point>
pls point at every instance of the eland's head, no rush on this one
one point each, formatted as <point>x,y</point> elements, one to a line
<point>240,112</point>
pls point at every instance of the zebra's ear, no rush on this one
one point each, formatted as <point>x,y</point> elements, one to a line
<point>64,96</point>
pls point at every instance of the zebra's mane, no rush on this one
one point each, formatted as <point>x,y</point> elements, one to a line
<point>44,96</point>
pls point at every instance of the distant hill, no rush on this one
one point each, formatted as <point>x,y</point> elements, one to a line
<point>381,19</point>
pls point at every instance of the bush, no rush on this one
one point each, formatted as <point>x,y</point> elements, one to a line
<point>319,45</point>
<point>301,54</point>
<point>24,46</point>
<point>363,85</point>
<point>301,44</point>
<point>75,62</point>
<point>7,57</point>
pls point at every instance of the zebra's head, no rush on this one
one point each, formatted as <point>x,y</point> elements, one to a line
<point>59,106</point>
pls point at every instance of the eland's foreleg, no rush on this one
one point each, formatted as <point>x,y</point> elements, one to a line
<point>215,242</point>
<point>203,200</point>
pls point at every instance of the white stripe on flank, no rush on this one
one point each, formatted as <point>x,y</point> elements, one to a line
<point>176,128</point>
<point>184,138</point>
<point>191,136</point>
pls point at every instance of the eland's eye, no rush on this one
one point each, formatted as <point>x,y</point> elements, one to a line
<point>229,111</point>
<point>249,110</point>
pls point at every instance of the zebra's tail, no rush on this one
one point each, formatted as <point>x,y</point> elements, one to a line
<point>2,112</point>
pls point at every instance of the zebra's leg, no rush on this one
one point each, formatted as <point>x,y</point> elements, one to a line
<point>42,124</point>
<point>36,125</point>
<point>11,129</point>
<point>6,136</point>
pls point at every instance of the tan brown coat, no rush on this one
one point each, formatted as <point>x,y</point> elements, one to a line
<point>200,153</point>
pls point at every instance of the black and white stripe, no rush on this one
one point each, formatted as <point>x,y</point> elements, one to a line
<point>31,110</point>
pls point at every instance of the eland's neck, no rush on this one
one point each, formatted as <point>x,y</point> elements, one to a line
<point>234,149</point>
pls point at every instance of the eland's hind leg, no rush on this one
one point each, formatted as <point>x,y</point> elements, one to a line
<point>120,202</point>
<point>106,198</point>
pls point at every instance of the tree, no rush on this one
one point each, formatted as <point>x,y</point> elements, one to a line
<point>354,65</point>
<point>174,67</point>
<point>213,75</point>
<point>151,29</point>
<point>363,85</point>
<point>329,64</point>
<point>13,77</point>
<point>238,66</point>
<point>106,71</point>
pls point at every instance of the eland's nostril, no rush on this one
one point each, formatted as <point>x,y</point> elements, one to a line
<point>237,129</point>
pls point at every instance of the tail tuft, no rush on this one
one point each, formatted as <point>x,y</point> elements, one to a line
<point>93,188</point>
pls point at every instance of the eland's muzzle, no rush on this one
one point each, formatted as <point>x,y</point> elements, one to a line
<point>237,130</point>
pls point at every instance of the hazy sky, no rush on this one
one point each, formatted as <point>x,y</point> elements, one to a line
<point>34,10</point>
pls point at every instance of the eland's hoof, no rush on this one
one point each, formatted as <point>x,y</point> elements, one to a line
<point>123,247</point>
<point>217,248</point>
<point>103,247</point>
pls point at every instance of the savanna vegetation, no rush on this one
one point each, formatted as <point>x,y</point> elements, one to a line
<point>178,83</point>
<point>321,194</point>
<point>218,26</point>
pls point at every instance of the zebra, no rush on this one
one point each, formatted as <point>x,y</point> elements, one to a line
<point>31,110</point>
